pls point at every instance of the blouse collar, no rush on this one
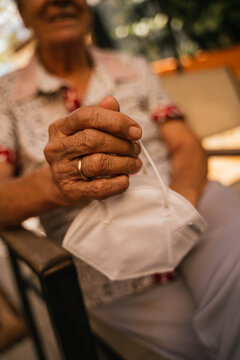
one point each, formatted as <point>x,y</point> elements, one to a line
<point>108,66</point>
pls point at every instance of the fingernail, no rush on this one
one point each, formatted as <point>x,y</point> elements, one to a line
<point>134,132</point>
<point>138,163</point>
<point>136,148</point>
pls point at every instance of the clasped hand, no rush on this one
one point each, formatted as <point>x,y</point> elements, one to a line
<point>105,140</point>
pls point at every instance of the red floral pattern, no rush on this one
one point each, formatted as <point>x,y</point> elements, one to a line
<point>164,278</point>
<point>71,99</point>
<point>7,155</point>
<point>162,113</point>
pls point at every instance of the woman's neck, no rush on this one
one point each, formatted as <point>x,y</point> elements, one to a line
<point>71,63</point>
<point>65,61</point>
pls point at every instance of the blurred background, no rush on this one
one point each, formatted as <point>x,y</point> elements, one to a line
<point>157,29</point>
<point>194,47</point>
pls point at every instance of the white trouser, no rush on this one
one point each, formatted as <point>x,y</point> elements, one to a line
<point>196,317</point>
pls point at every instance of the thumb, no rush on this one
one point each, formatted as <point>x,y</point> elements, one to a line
<point>109,103</point>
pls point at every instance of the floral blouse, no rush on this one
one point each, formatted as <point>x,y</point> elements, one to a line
<point>31,99</point>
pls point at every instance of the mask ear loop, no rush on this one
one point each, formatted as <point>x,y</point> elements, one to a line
<point>165,198</point>
<point>162,185</point>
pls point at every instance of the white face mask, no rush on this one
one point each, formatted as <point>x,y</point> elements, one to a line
<point>146,230</point>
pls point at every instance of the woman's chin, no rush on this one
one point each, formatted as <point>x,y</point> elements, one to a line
<point>64,37</point>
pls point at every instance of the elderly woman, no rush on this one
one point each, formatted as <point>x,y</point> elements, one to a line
<point>90,153</point>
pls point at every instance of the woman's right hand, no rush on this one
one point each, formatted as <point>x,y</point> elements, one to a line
<point>105,140</point>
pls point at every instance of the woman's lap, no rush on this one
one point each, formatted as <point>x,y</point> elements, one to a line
<point>160,318</point>
<point>207,294</point>
<point>212,273</point>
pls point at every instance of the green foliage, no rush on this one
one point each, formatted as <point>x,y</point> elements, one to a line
<point>156,28</point>
<point>192,25</point>
<point>212,24</point>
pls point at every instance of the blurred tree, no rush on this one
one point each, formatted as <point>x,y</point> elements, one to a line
<point>156,28</point>
<point>211,23</point>
<point>161,28</point>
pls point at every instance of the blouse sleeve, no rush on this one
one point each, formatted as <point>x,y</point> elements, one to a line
<point>7,136</point>
<point>161,106</point>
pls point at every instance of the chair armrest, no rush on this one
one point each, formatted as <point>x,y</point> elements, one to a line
<point>59,289</point>
<point>223,152</point>
<point>40,253</point>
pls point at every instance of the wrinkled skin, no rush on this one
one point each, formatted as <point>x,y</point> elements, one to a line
<point>103,137</point>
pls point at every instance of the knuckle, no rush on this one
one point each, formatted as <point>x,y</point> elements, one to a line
<point>52,129</point>
<point>103,139</point>
<point>64,180</point>
<point>103,163</point>
<point>88,139</point>
<point>99,164</point>
<point>65,147</point>
<point>93,114</point>
<point>54,150</point>
<point>46,151</point>
<point>49,151</point>
<point>57,171</point>
<point>106,188</point>
<point>73,119</point>
<point>70,190</point>
<point>99,189</point>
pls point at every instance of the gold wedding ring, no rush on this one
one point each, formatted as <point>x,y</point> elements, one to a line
<point>80,173</point>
